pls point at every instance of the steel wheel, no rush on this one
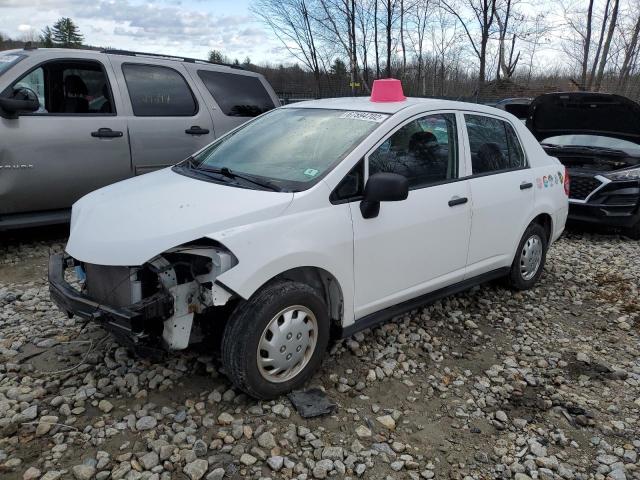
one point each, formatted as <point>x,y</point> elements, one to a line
<point>531,257</point>
<point>287,344</point>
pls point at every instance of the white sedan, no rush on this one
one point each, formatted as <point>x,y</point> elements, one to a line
<point>317,218</point>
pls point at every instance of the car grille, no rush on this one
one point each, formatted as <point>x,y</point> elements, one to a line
<point>581,187</point>
<point>109,285</point>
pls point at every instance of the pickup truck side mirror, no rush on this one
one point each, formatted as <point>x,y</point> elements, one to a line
<point>383,187</point>
<point>21,100</point>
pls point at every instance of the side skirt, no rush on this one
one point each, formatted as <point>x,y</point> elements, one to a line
<point>381,316</point>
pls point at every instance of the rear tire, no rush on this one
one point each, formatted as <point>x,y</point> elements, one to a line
<point>530,257</point>
<point>274,342</point>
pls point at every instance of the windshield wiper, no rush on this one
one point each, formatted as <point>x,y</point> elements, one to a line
<point>226,172</point>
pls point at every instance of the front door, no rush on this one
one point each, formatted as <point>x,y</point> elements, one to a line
<point>167,123</point>
<point>420,244</point>
<point>75,143</point>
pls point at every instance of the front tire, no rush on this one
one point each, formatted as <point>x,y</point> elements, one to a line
<point>274,342</point>
<point>530,257</point>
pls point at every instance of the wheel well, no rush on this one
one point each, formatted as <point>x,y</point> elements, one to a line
<point>544,220</point>
<point>323,282</point>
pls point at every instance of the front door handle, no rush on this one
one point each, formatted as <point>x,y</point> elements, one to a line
<point>196,130</point>
<point>457,201</point>
<point>525,185</point>
<point>106,133</point>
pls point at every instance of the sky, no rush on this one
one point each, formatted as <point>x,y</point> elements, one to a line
<point>189,28</point>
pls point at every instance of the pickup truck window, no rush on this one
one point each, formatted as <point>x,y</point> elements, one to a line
<point>494,145</point>
<point>69,87</point>
<point>424,150</point>
<point>157,91</point>
<point>237,95</point>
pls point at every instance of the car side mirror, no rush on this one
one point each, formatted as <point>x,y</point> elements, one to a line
<point>383,187</point>
<point>21,100</point>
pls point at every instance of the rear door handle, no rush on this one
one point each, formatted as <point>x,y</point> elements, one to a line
<point>196,130</point>
<point>457,201</point>
<point>525,185</point>
<point>106,133</point>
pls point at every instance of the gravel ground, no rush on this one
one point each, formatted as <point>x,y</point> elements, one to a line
<point>487,384</point>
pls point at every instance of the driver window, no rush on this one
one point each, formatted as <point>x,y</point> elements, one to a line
<point>34,81</point>
<point>425,151</point>
<point>70,87</point>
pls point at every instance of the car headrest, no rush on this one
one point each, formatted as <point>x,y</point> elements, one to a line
<point>421,141</point>
<point>74,85</point>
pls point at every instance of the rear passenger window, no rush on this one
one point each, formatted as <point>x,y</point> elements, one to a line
<point>157,91</point>
<point>494,145</point>
<point>424,150</point>
<point>237,95</point>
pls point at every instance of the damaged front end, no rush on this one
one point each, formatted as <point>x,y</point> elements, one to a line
<point>159,302</point>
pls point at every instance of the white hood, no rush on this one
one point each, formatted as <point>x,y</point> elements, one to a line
<point>130,222</point>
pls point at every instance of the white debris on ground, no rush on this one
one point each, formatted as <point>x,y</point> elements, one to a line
<point>543,384</point>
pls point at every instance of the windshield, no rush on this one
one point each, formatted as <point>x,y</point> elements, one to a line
<point>290,147</point>
<point>597,141</point>
<point>8,60</point>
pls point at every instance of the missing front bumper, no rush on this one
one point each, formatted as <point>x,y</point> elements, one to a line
<point>126,323</point>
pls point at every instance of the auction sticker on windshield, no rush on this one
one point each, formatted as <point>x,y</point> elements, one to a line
<point>367,116</point>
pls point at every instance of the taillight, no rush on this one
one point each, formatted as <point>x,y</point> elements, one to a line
<point>567,182</point>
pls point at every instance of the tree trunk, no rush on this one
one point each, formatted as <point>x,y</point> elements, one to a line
<point>629,54</point>
<point>389,38</point>
<point>607,44</point>
<point>375,36</point>
<point>597,57</point>
<point>587,47</point>
<point>404,50</point>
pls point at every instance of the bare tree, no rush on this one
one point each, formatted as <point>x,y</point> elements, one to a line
<point>483,15</point>
<point>292,23</point>
<point>390,7</point>
<point>420,16</point>
<point>607,44</point>
<point>507,66</point>
<point>630,54</point>
<point>586,46</point>
<point>603,28</point>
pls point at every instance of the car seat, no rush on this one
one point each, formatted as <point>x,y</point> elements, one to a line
<point>106,106</point>
<point>488,159</point>
<point>75,91</point>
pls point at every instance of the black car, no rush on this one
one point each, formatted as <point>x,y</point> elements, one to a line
<point>597,137</point>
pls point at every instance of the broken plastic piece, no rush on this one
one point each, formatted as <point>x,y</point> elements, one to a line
<point>311,403</point>
<point>387,90</point>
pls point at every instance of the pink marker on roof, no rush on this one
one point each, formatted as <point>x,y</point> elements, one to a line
<point>387,90</point>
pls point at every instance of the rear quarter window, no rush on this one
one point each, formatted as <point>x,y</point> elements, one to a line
<point>237,95</point>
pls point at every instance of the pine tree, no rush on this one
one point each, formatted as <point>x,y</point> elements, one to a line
<point>66,33</point>
<point>46,37</point>
<point>216,56</point>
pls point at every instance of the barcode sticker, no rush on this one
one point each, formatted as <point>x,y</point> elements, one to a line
<point>367,116</point>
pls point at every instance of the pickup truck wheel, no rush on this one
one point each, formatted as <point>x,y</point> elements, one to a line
<point>275,341</point>
<point>528,263</point>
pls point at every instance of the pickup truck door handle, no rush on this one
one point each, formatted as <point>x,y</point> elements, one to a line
<point>525,185</point>
<point>196,130</point>
<point>457,201</point>
<point>106,133</point>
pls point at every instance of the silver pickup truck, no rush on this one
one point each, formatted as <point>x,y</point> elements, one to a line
<point>72,121</point>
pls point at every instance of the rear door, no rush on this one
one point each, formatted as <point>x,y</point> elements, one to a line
<point>502,192</point>
<point>75,143</point>
<point>167,120</point>
<point>233,96</point>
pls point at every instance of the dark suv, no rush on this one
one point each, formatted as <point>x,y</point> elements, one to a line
<point>597,137</point>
